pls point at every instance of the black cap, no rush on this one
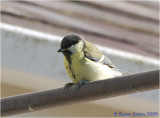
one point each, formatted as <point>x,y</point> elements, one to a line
<point>70,40</point>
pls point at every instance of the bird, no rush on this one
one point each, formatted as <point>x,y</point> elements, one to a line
<point>84,62</point>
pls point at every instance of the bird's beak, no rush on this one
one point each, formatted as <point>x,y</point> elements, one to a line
<point>61,50</point>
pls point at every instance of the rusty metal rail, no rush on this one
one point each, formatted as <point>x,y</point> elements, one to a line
<point>91,91</point>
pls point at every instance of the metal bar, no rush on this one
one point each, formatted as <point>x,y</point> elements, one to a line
<point>91,91</point>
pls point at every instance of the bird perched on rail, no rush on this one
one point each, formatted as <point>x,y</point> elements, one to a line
<point>84,62</point>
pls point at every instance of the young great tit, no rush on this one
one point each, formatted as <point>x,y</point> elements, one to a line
<point>84,62</point>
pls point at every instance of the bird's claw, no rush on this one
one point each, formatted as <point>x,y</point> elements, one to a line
<point>81,83</point>
<point>66,86</point>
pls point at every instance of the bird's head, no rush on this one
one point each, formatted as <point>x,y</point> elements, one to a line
<point>72,44</point>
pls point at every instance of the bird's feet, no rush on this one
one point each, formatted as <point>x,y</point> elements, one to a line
<point>81,83</point>
<point>66,86</point>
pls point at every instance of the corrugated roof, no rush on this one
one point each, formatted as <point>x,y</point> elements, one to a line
<point>130,26</point>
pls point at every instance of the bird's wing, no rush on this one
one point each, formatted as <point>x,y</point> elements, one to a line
<point>94,54</point>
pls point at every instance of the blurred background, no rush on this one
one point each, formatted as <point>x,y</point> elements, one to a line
<point>31,31</point>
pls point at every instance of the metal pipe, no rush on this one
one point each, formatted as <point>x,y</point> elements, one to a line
<point>91,91</point>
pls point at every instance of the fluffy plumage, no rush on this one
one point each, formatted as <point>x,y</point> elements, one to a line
<point>84,61</point>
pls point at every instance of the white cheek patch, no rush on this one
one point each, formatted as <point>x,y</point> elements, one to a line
<point>76,48</point>
<point>72,48</point>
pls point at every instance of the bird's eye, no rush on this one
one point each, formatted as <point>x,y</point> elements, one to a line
<point>72,43</point>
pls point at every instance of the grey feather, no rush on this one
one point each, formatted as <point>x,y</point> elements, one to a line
<point>93,53</point>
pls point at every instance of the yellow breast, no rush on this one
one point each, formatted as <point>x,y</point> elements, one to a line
<point>82,68</point>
